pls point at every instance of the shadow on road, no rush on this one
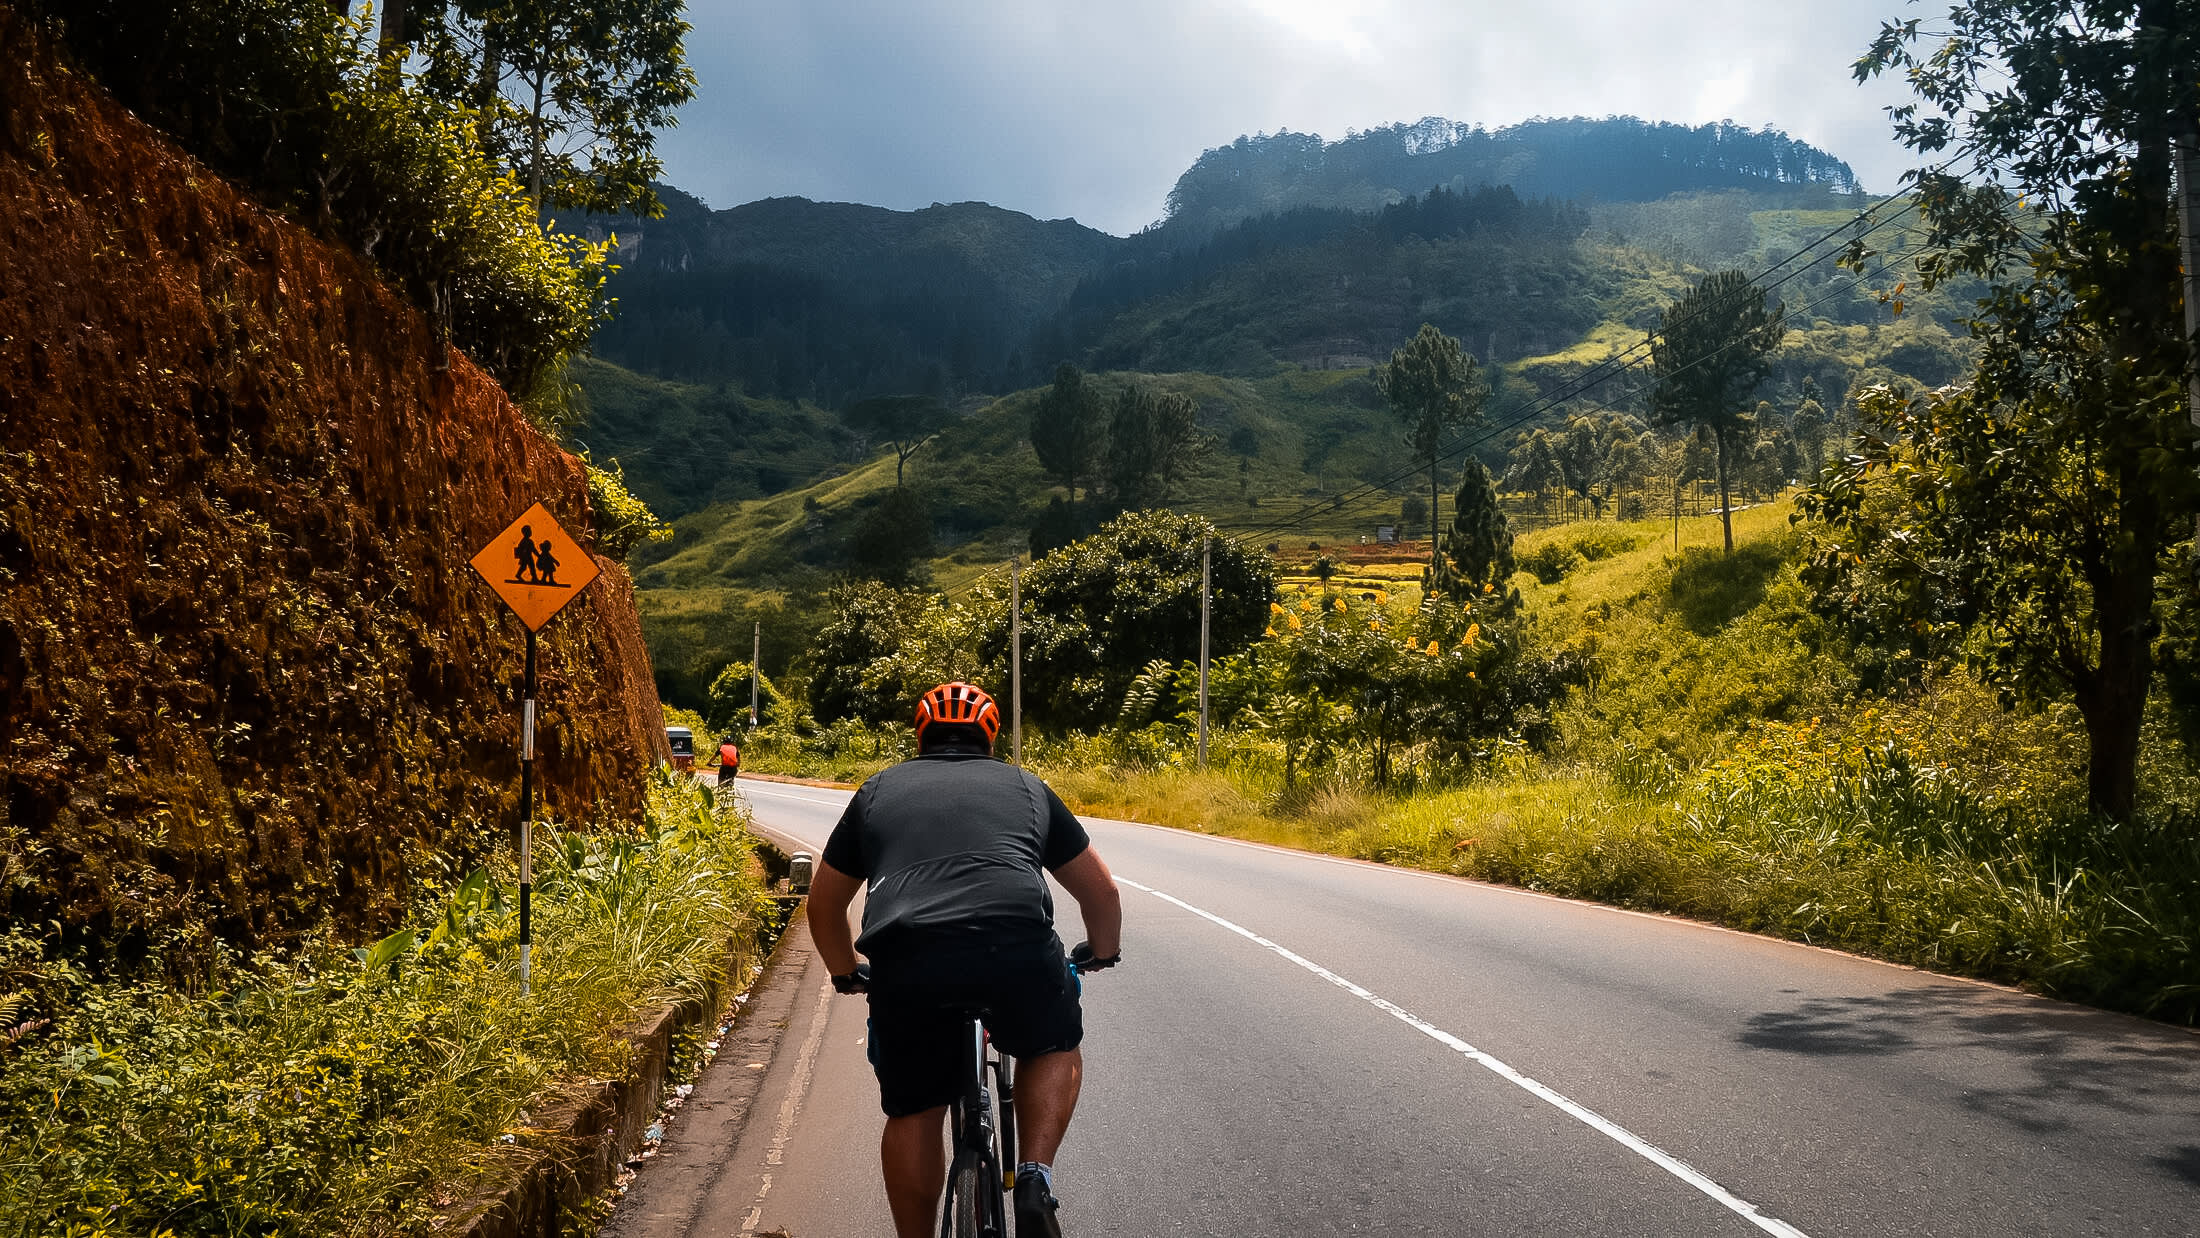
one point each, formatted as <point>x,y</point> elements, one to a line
<point>2040,1067</point>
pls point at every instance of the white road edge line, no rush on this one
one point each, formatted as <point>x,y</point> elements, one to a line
<point>805,1063</point>
<point>1588,1117</point>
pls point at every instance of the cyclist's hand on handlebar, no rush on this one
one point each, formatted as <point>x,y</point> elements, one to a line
<point>1083,959</point>
<point>857,981</point>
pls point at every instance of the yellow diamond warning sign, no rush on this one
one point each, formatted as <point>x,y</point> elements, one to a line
<point>535,567</point>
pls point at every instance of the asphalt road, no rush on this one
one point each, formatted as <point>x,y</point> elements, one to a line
<point>1300,1045</point>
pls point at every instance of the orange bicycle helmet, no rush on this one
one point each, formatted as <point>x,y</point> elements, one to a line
<point>959,702</point>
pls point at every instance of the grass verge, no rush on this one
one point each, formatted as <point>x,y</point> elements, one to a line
<point>1846,840</point>
<point>333,1094</point>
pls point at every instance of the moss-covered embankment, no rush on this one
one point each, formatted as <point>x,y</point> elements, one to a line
<point>247,681</point>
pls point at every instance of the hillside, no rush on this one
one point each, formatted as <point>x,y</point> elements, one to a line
<point>829,301</point>
<point>740,330</point>
<point>250,688</point>
<point>1614,159</point>
<point>685,446</point>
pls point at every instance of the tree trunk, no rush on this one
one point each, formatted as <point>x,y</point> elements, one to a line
<point>2114,702</point>
<point>535,154</point>
<point>1726,504</point>
<point>390,46</point>
<point>1435,543</point>
<point>487,85</point>
<point>393,26</point>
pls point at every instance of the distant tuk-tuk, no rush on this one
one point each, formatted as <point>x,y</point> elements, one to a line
<point>683,747</point>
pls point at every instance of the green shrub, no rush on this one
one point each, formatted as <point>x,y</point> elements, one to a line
<point>289,98</point>
<point>623,522</point>
<point>1551,561</point>
<point>1558,553</point>
<point>328,1094</point>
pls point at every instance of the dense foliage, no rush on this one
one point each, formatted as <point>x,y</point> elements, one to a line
<point>569,98</point>
<point>287,96</point>
<point>340,1092</point>
<point>2031,515</point>
<point>623,522</point>
<point>1100,609</point>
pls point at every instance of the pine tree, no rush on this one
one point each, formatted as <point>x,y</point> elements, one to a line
<point>1478,549</point>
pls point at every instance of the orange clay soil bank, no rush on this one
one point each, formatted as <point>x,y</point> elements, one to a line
<point>247,680</point>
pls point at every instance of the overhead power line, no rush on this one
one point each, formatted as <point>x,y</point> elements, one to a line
<point>1604,371</point>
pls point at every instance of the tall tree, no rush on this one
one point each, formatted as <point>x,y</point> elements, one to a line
<point>1178,442</point>
<point>1436,388</point>
<point>2032,512</point>
<point>1811,425</point>
<point>1066,432</point>
<point>1153,437</point>
<point>1133,447</point>
<point>1478,549</point>
<point>569,95</point>
<point>1581,456</point>
<point>1534,465</point>
<point>906,422</point>
<point>893,539</point>
<point>1709,354</point>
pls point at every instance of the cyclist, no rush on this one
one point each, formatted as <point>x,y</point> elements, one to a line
<point>729,760</point>
<point>952,845</point>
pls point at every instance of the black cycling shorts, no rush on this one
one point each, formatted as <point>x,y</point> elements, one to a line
<point>1030,1006</point>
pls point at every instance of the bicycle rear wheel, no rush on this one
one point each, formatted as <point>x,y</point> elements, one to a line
<point>966,1212</point>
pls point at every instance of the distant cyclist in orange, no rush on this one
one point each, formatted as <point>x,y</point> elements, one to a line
<point>955,847</point>
<point>729,760</point>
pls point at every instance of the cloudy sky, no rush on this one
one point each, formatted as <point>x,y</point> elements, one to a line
<point>1091,108</point>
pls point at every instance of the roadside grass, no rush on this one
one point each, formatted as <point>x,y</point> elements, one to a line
<point>1843,841</point>
<point>845,752</point>
<point>1722,766</point>
<point>325,1094</point>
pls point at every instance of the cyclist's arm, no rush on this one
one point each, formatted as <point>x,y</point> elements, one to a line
<point>831,891</point>
<point>1089,882</point>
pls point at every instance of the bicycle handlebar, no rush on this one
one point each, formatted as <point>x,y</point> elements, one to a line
<point>1081,960</point>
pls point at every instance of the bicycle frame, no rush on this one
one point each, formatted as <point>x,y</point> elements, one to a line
<point>982,1150</point>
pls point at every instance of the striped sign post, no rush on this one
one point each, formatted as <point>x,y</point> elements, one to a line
<point>536,568</point>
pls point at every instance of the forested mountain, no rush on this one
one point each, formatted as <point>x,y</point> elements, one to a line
<point>746,334</point>
<point>829,301</point>
<point>1327,288</point>
<point>1617,159</point>
<point>684,446</point>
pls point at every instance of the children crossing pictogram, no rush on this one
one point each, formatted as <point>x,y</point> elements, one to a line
<point>535,567</point>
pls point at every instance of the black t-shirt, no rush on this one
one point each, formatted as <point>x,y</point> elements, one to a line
<point>952,848</point>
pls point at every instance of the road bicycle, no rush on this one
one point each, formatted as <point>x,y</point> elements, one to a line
<point>982,1168</point>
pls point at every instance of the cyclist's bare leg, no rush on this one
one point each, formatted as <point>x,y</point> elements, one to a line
<point>913,1152</point>
<point>1046,1094</point>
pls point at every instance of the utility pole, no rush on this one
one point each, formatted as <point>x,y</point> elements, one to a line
<point>1206,558</point>
<point>1016,659</point>
<point>756,670</point>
